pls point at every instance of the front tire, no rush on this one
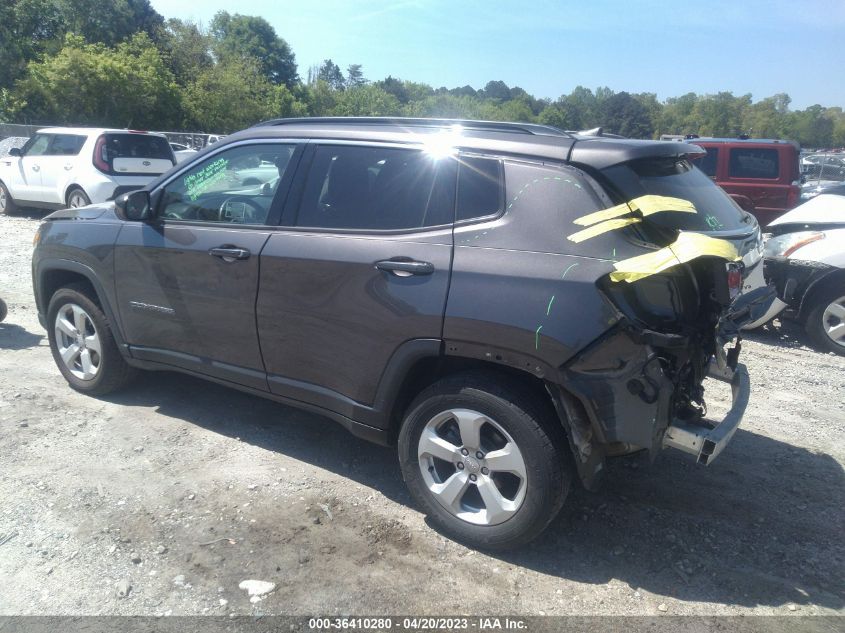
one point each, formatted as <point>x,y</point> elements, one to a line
<point>825,324</point>
<point>83,345</point>
<point>486,462</point>
<point>77,198</point>
<point>7,203</point>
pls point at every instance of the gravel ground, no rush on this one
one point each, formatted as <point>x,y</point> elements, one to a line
<point>164,498</point>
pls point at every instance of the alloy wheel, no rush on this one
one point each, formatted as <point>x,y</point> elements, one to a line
<point>78,341</point>
<point>472,466</point>
<point>77,199</point>
<point>833,321</point>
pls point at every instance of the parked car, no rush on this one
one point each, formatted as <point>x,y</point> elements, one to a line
<point>181,152</point>
<point>823,166</point>
<point>812,189</point>
<point>805,260</point>
<point>73,167</point>
<point>762,175</point>
<point>498,300</point>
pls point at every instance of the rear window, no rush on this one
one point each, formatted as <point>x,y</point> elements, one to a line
<point>707,163</point>
<point>677,178</point>
<point>754,163</point>
<point>137,146</point>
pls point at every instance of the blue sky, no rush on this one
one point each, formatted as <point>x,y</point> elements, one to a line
<point>760,47</point>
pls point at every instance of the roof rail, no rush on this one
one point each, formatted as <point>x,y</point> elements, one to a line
<point>484,126</point>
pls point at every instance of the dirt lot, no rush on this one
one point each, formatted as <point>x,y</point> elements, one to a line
<point>177,490</point>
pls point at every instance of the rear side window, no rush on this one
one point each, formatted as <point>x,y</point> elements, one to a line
<point>754,163</point>
<point>480,188</point>
<point>137,146</point>
<point>376,188</point>
<point>676,178</point>
<point>66,145</point>
<point>708,162</point>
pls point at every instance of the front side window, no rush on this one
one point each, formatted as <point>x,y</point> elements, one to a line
<point>377,188</point>
<point>754,163</point>
<point>236,186</point>
<point>37,145</point>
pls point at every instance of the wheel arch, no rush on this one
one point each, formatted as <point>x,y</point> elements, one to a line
<point>70,188</point>
<point>424,369</point>
<point>53,274</point>
<point>834,279</point>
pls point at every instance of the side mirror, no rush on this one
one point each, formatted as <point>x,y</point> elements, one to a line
<point>133,206</point>
<point>15,151</point>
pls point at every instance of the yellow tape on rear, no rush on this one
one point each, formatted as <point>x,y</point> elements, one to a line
<point>603,227</point>
<point>646,205</point>
<point>687,247</point>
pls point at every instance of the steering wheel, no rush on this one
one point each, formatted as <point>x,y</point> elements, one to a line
<point>242,210</point>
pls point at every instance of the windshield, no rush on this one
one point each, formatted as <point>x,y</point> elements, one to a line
<point>677,178</point>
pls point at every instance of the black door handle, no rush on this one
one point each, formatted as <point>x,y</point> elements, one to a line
<point>229,253</point>
<point>403,268</point>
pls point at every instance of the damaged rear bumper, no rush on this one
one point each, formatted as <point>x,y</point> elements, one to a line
<point>706,442</point>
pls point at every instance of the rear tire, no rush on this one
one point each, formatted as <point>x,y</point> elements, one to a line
<point>485,461</point>
<point>77,198</point>
<point>7,203</point>
<point>83,345</point>
<point>825,324</point>
<point>3,310</point>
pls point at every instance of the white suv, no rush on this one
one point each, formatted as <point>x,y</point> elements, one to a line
<point>72,167</point>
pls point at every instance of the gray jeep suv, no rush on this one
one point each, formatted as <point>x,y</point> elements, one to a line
<point>509,304</point>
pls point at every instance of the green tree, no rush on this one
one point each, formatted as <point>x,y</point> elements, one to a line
<point>625,115</point>
<point>241,37</point>
<point>560,115</point>
<point>236,94</point>
<point>366,100</point>
<point>110,21</point>
<point>678,115</point>
<point>497,90</point>
<point>355,76</point>
<point>447,106</point>
<point>28,30</point>
<point>583,107</point>
<point>767,118</point>
<point>394,86</point>
<point>721,114</point>
<point>330,73</point>
<point>188,49</point>
<point>321,98</point>
<point>92,84</point>
<point>33,29</point>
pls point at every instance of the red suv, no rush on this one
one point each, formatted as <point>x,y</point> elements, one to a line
<point>762,175</point>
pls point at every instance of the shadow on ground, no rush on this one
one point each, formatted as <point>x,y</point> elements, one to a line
<point>15,337</point>
<point>782,332</point>
<point>762,526</point>
<point>29,212</point>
